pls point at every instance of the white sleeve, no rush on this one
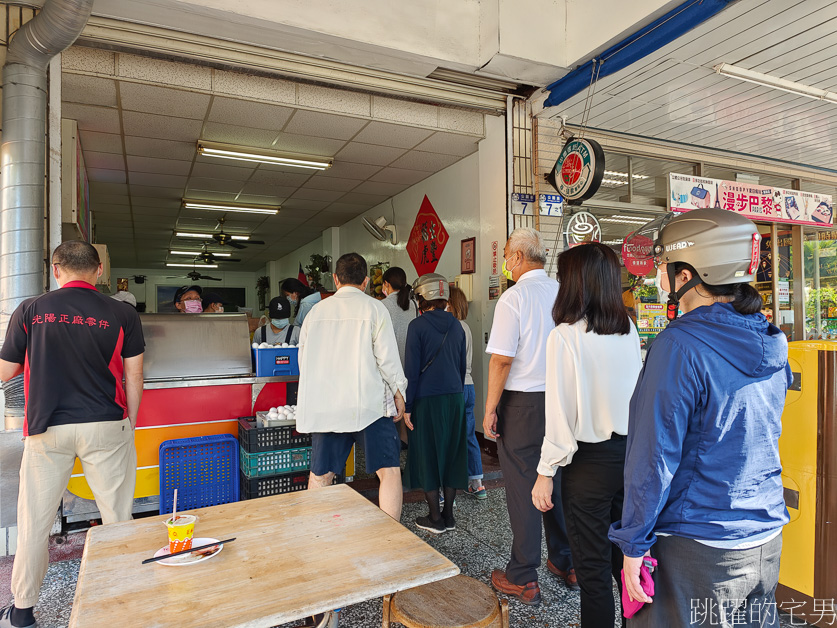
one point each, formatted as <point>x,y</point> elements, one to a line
<point>385,348</point>
<point>559,443</point>
<point>505,330</point>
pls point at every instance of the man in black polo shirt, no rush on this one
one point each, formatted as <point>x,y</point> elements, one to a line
<point>74,346</point>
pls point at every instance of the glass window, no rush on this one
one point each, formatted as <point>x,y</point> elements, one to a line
<point>820,264</point>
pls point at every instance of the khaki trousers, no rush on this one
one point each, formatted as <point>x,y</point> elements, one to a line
<point>107,454</point>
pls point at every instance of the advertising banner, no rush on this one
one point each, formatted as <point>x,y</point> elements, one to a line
<point>757,202</point>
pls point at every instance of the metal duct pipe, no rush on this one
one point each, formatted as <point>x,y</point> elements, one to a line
<point>23,150</point>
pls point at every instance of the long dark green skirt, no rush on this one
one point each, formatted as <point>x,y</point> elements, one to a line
<point>438,453</point>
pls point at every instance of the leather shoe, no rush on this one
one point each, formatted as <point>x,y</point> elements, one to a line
<point>567,577</point>
<point>529,593</point>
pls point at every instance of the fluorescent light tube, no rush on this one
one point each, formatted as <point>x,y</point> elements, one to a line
<point>225,207</point>
<point>194,266</point>
<point>196,253</point>
<point>766,80</point>
<point>207,236</point>
<point>242,153</point>
<point>625,174</point>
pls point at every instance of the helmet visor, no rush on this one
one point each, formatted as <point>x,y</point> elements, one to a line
<point>640,249</point>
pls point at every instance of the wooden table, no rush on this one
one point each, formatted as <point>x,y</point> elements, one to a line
<point>295,555</point>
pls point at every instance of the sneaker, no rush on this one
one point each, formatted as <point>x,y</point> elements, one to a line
<point>567,577</point>
<point>6,619</point>
<point>478,493</point>
<point>529,593</point>
<point>450,523</point>
<point>426,523</point>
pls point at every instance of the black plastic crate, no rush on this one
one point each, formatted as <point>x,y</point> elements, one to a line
<point>258,439</point>
<point>267,485</point>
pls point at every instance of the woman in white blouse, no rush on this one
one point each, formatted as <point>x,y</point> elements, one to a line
<point>592,365</point>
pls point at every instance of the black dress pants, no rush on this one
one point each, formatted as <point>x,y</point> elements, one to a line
<point>521,423</point>
<point>593,490</point>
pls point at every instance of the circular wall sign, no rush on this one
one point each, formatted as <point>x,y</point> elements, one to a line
<point>579,170</point>
<point>582,228</point>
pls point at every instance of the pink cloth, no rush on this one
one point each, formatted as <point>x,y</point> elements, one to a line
<point>629,606</point>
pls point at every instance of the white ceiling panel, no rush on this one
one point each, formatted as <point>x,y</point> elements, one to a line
<point>275,177</point>
<point>318,182</point>
<point>111,161</point>
<point>106,176</point>
<point>317,195</point>
<point>160,127</point>
<point>219,169</point>
<point>399,175</point>
<point>101,142</point>
<point>89,118</point>
<point>218,185</point>
<point>348,208</point>
<point>88,90</point>
<point>345,170</point>
<point>158,180</point>
<point>160,149</point>
<point>308,145</point>
<point>396,135</point>
<point>378,187</point>
<point>316,124</point>
<point>163,101</point>
<point>371,154</point>
<point>238,135</point>
<point>155,192</point>
<point>450,144</point>
<point>232,111</point>
<point>430,162</point>
<point>266,189</point>
<point>306,204</point>
<point>158,165</point>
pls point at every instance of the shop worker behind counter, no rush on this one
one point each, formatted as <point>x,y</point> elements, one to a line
<point>278,329</point>
<point>77,344</point>
<point>348,359</point>
<point>515,414</point>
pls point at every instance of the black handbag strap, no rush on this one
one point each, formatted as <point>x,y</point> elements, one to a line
<point>289,333</point>
<point>439,350</point>
<point>264,332</point>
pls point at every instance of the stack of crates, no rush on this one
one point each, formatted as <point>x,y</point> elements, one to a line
<point>273,460</point>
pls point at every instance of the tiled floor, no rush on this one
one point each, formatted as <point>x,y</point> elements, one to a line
<point>479,544</point>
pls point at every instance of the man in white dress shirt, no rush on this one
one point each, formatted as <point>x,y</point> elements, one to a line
<point>348,359</point>
<point>515,416</point>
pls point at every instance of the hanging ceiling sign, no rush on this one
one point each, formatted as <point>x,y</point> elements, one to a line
<point>579,170</point>
<point>582,228</point>
<point>427,239</point>
<point>757,202</point>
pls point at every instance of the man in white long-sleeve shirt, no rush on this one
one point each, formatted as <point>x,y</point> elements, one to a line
<point>348,359</point>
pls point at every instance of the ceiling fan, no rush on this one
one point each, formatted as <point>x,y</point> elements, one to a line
<point>225,239</point>
<point>194,275</point>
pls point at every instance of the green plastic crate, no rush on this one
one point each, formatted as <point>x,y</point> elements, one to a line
<point>273,462</point>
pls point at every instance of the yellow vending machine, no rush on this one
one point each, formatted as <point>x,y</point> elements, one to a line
<point>808,449</point>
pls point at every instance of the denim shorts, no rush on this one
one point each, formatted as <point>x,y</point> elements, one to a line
<point>379,440</point>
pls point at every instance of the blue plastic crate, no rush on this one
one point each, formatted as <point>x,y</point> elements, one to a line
<point>274,361</point>
<point>204,470</point>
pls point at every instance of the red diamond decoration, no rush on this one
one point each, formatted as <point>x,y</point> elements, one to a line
<point>427,239</point>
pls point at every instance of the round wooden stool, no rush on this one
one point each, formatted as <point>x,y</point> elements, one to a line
<point>458,602</point>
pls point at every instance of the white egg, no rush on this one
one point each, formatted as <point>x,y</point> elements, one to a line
<point>273,410</point>
<point>264,345</point>
<point>255,345</point>
<point>291,416</point>
<point>272,416</point>
<point>287,407</point>
<point>284,345</point>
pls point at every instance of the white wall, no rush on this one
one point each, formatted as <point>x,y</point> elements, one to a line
<point>469,197</point>
<point>156,277</point>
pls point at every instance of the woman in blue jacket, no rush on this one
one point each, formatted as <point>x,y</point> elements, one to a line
<point>435,368</point>
<point>703,486</point>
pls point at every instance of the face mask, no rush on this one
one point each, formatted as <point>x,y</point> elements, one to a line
<point>279,323</point>
<point>292,301</point>
<point>193,307</point>
<point>220,309</point>
<point>507,272</point>
<point>658,282</point>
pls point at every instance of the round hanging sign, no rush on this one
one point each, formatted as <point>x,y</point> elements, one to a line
<point>579,170</point>
<point>582,228</point>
